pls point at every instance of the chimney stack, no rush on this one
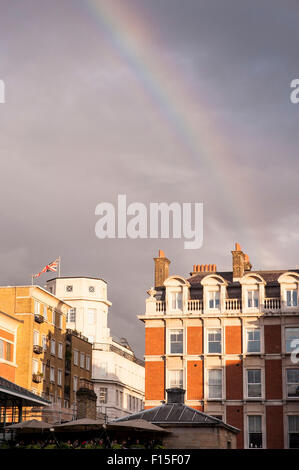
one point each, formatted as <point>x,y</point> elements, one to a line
<point>161,269</point>
<point>241,262</point>
<point>175,395</point>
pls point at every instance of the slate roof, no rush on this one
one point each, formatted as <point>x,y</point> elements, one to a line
<point>177,414</point>
<point>270,277</point>
<point>10,391</point>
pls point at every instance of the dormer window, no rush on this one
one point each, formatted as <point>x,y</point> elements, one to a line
<point>176,300</point>
<point>253,298</point>
<point>292,298</point>
<point>214,299</point>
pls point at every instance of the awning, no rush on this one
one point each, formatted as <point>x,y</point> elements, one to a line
<point>137,424</point>
<point>12,395</point>
<point>78,424</point>
<point>33,424</point>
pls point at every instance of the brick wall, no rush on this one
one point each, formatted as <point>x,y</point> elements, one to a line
<point>155,341</point>
<point>194,340</point>
<point>233,339</point>
<point>272,339</point>
<point>234,417</point>
<point>194,380</point>
<point>274,424</point>
<point>234,380</point>
<point>154,380</point>
<point>273,372</point>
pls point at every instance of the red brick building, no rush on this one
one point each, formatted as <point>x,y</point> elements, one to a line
<point>228,339</point>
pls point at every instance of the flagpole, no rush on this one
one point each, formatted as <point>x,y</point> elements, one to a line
<point>59,266</point>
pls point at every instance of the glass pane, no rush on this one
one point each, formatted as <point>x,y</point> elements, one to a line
<point>293,376</point>
<point>291,334</point>
<point>179,298</point>
<point>253,346</point>
<point>215,377</point>
<point>254,390</point>
<point>255,440</point>
<point>255,424</point>
<point>294,441</point>
<point>254,376</point>
<point>293,423</point>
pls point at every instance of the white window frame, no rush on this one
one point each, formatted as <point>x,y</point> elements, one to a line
<point>209,330</point>
<point>91,318</point>
<point>248,432</point>
<point>52,374</point>
<point>36,307</point>
<point>103,395</point>
<point>35,366</point>
<point>44,342</point>
<point>288,429</point>
<point>179,378</point>
<point>293,290</point>
<point>75,383</point>
<point>60,351</point>
<point>260,397</point>
<point>252,294</point>
<point>36,337</point>
<point>82,360</point>
<point>249,330</point>
<point>53,347</point>
<point>76,357</point>
<point>170,332</point>
<point>291,383</point>
<point>71,316</point>
<point>45,312</point>
<point>59,377</point>
<point>208,384</point>
<point>289,327</point>
<point>176,300</point>
<point>214,296</point>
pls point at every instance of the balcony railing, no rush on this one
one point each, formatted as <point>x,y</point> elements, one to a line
<point>38,318</point>
<point>37,349</point>
<point>160,306</point>
<point>37,378</point>
<point>272,304</point>
<point>195,305</point>
<point>233,305</point>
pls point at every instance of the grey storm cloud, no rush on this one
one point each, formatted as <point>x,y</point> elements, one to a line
<point>80,126</point>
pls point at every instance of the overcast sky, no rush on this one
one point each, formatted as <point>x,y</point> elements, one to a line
<point>163,101</point>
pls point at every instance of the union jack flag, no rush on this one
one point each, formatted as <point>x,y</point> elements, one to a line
<point>50,267</point>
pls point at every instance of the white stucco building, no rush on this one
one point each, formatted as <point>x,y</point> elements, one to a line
<point>117,374</point>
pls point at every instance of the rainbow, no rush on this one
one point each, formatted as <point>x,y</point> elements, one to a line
<point>129,32</point>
